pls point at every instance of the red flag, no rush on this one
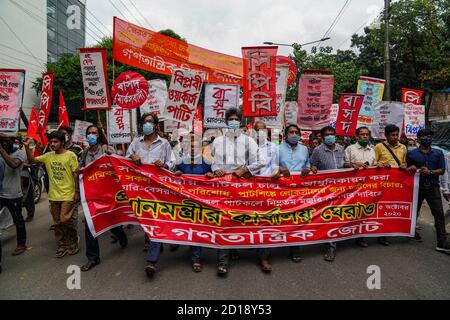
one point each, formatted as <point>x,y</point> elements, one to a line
<point>63,117</point>
<point>33,125</point>
<point>412,96</point>
<point>33,128</point>
<point>349,108</point>
<point>46,100</point>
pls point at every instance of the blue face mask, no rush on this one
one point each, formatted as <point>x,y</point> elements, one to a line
<point>330,140</point>
<point>293,139</point>
<point>148,128</point>
<point>234,125</point>
<point>92,139</point>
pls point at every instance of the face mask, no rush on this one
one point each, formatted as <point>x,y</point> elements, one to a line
<point>426,142</point>
<point>15,147</point>
<point>330,140</point>
<point>92,139</point>
<point>149,128</point>
<point>234,125</point>
<point>411,148</point>
<point>261,137</point>
<point>363,143</point>
<point>293,139</point>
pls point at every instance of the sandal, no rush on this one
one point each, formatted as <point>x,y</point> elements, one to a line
<point>197,266</point>
<point>62,251</point>
<point>222,270</point>
<point>296,259</point>
<point>265,266</point>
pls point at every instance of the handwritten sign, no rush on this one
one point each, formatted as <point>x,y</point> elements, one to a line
<point>79,131</point>
<point>414,119</point>
<point>11,97</point>
<point>119,125</point>
<point>334,114</point>
<point>184,93</point>
<point>130,90</point>
<point>218,99</point>
<point>95,79</point>
<point>315,96</point>
<point>290,112</point>
<point>157,98</point>
<point>387,112</point>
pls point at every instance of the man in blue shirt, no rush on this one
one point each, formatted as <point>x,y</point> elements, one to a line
<point>295,158</point>
<point>193,163</point>
<point>431,164</point>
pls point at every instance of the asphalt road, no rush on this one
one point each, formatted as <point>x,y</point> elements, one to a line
<point>409,270</point>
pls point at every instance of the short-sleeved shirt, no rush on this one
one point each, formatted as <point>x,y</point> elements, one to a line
<point>358,153</point>
<point>433,160</point>
<point>382,155</point>
<point>75,149</point>
<point>87,157</point>
<point>12,181</point>
<point>326,159</point>
<point>294,159</point>
<point>159,149</point>
<point>60,169</point>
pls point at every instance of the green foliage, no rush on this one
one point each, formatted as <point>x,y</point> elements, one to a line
<point>68,78</point>
<point>419,37</point>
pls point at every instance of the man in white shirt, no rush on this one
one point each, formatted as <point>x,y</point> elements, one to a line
<point>151,149</point>
<point>238,154</point>
<point>360,156</point>
<point>235,152</point>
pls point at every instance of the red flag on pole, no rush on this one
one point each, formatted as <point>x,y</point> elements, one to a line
<point>33,128</point>
<point>62,111</point>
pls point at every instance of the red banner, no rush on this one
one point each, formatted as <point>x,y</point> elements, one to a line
<point>63,117</point>
<point>130,90</point>
<point>315,97</point>
<point>260,76</point>
<point>347,119</point>
<point>259,212</point>
<point>155,52</point>
<point>46,101</point>
<point>412,96</point>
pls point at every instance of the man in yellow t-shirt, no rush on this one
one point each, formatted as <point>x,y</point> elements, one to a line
<point>62,167</point>
<point>384,151</point>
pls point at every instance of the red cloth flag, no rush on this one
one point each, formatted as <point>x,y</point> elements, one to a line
<point>412,96</point>
<point>260,90</point>
<point>33,128</point>
<point>63,117</point>
<point>46,100</point>
<point>347,120</point>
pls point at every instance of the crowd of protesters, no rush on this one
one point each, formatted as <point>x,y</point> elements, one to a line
<point>234,150</point>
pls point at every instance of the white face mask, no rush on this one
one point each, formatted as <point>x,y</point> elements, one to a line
<point>261,136</point>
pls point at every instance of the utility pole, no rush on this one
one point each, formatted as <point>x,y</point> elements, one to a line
<point>387,56</point>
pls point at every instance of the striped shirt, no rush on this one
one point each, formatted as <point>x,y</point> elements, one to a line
<point>326,159</point>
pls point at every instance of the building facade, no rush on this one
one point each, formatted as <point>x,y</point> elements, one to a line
<point>37,32</point>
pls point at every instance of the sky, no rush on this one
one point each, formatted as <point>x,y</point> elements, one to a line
<point>227,25</point>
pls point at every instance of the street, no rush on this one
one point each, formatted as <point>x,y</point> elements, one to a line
<point>409,270</point>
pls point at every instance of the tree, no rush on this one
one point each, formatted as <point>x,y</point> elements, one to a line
<point>342,64</point>
<point>419,38</point>
<point>68,78</point>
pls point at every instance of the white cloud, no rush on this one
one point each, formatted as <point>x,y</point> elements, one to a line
<point>227,25</point>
